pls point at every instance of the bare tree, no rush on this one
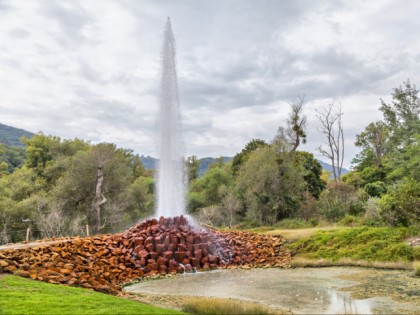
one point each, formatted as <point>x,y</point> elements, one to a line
<point>209,216</point>
<point>332,128</point>
<point>51,220</point>
<point>230,205</point>
<point>296,123</point>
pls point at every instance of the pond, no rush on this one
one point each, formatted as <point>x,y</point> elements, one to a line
<point>303,291</point>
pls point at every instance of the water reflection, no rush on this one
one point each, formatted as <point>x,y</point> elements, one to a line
<point>304,291</point>
<point>341,303</point>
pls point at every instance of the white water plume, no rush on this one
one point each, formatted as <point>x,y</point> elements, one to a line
<point>170,170</point>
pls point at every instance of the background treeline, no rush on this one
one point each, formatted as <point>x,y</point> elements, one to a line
<point>58,186</point>
<point>54,187</point>
<point>275,184</point>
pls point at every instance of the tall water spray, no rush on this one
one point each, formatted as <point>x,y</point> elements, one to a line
<point>170,171</point>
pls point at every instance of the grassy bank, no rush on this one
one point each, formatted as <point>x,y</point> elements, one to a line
<point>369,244</point>
<point>24,296</point>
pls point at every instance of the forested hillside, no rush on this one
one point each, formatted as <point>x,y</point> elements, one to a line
<point>10,136</point>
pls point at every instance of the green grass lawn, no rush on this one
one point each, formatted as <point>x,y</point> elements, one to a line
<point>23,296</point>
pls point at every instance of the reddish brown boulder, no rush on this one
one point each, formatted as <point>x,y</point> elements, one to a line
<point>180,256</point>
<point>103,262</point>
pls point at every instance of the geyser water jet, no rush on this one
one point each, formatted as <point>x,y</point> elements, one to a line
<point>170,171</point>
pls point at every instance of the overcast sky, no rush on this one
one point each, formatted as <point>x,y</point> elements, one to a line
<point>91,69</point>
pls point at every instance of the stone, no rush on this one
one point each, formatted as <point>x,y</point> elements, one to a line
<point>104,262</point>
<point>168,255</point>
<point>180,256</point>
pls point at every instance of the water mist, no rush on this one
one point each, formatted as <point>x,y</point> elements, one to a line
<point>170,170</point>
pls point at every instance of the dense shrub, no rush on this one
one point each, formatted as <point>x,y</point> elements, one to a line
<point>401,205</point>
<point>340,199</point>
<point>375,189</point>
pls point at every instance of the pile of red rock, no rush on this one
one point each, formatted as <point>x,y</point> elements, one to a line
<point>167,245</point>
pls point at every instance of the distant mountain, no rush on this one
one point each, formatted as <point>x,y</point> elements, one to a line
<point>10,135</point>
<point>205,163</point>
<point>150,163</point>
<point>329,168</point>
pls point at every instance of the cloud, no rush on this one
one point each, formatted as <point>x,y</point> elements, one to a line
<point>91,69</point>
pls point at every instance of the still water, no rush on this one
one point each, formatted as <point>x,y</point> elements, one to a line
<point>303,291</point>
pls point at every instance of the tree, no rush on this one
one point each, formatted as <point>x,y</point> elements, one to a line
<point>141,198</point>
<point>38,151</point>
<point>402,116</point>
<point>296,124</point>
<point>374,138</point>
<point>204,191</point>
<point>103,172</point>
<point>229,204</point>
<point>192,166</point>
<point>312,172</point>
<point>270,185</point>
<point>241,157</point>
<point>332,128</point>
<point>401,205</point>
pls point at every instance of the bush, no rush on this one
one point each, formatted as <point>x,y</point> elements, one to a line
<point>307,208</point>
<point>340,199</point>
<point>375,189</point>
<point>401,205</point>
<point>350,220</point>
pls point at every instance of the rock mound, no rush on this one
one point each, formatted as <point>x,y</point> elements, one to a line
<point>167,245</point>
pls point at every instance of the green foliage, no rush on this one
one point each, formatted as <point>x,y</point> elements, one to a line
<point>312,172</point>
<point>375,189</point>
<point>349,220</point>
<point>54,191</point>
<point>141,198</point>
<point>374,139</point>
<point>270,186</point>
<point>240,158</point>
<point>192,165</point>
<point>402,115</point>
<point>389,165</point>
<point>340,199</point>
<point>406,162</point>
<point>401,205</point>
<point>205,192</point>
<point>12,157</point>
<point>367,243</point>
<point>76,190</point>
<point>23,296</point>
<point>38,151</point>
<point>366,176</point>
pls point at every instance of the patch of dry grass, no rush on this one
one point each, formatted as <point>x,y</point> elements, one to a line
<point>416,267</point>
<point>201,305</point>
<point>301,262</point>
<point>296,234</point>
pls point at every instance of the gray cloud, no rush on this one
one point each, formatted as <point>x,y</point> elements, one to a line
<point>90,69</point>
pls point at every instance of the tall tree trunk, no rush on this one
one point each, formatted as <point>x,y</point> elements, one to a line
<point>99,198</point>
